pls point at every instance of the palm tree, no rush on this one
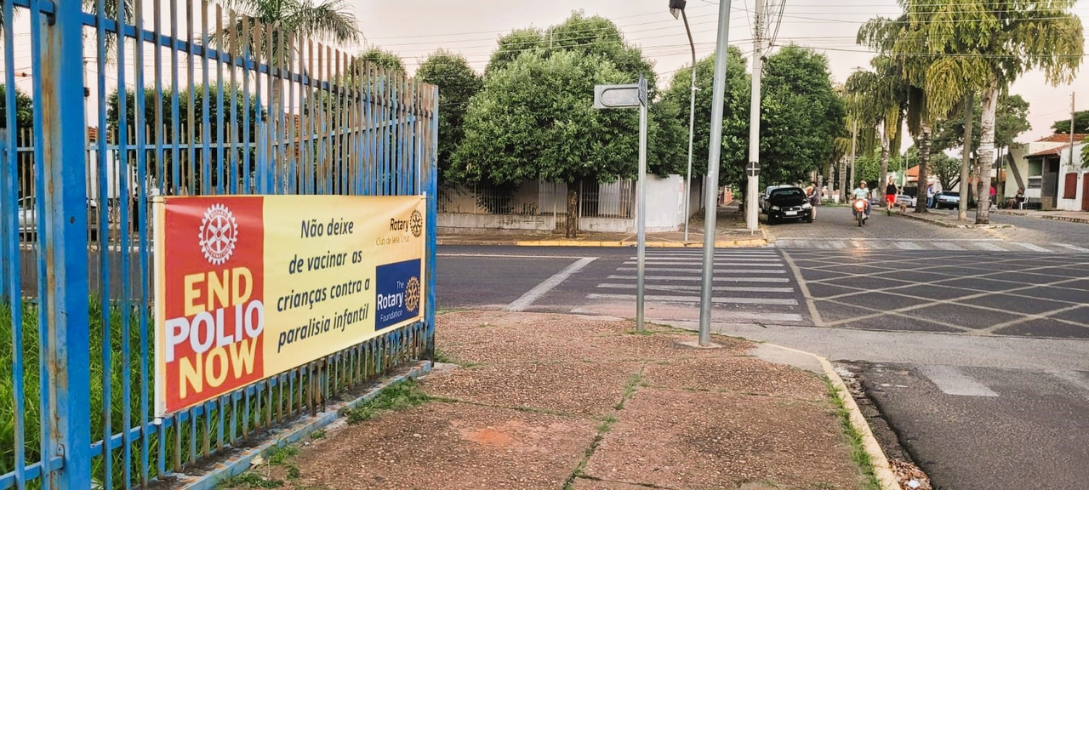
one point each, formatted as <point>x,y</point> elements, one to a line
<point>323,20</point>
<point>877,99</point>
<point>960,47</point>
<point>908,58</point>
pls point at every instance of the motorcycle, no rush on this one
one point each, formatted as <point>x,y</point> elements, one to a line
<point>859,207</point>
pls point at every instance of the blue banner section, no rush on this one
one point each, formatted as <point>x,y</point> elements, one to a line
<point>398,293</point>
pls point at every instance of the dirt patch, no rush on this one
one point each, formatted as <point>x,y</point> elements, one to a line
<point>585,389</point>
<point>740,375</point>
<point>584,484</point>
<point>687,440</point>
<point>449,446</point>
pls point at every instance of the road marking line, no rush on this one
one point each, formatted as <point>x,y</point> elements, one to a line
<point>502,256</point>
<point>947,246</point>
<point>686,287</point>
<point>730,279</point>
<point>987,246</point>
<point>523,302</point>
<point>954,381</point>
<point>743,265</point>
<point>907,246</point>
<point>814,315</point>
<point>696,300</point>
<point>1072,247</point>
<point>1029,246</point>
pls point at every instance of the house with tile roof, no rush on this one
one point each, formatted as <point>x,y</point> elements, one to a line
<point>1050,171</point>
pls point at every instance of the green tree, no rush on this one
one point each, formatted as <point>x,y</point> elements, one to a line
<point>458,84</point>
<point>384,60</point>
<point>1081,124</point>
<point>322,20</point>
<point>947,169</point>
<point>534,119</point>
<point>1011,122</point>
<point>24,109</point>
<point>591,36</point>
<point>909,56</point>
<point>800,114</point>
<point>877,98</point>
<point>987,46</point>
<point>735,115</point>
<point>234,130</point>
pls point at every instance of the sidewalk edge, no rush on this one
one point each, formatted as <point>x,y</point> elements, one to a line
<point>881,469</point>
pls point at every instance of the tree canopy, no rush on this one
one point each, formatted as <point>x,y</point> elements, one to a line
<point>735,115</point>
<point>458,84</point>
<point>1010,122</point>
<point>801,114</point>
<point>384,59</point>
<point>1081,124</point>
<point>534,119</point>
<point>24,109</point>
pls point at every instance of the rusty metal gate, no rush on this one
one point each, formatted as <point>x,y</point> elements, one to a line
<point>104,107</point>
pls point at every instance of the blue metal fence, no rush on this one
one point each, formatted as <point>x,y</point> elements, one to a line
<point>187,98</point>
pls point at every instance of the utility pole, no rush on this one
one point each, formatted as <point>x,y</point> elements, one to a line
<point>1073,118</point>
<point>753,196</point>
<point>854,138</point>
<point>714,158</point>
<point>677,8</point>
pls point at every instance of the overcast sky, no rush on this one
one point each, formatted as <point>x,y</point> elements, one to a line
<point>415,28</point>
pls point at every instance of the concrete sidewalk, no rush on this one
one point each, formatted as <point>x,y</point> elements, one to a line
<point>549,401</point>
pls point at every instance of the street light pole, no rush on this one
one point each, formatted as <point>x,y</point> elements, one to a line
<point>714,156</point>
<point>676,6</point>
<point>753,192</point>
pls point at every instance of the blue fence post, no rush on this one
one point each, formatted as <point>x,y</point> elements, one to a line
<point>432,167</point>
<point>67,350</point>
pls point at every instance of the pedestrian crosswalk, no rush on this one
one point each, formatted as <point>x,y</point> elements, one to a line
<point>750,285</point>
<point>921,244</point>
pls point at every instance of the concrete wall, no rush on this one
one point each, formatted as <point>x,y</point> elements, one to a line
<point>487,222</point>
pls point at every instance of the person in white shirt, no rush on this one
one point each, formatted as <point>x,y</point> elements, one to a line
<point>861,193</point>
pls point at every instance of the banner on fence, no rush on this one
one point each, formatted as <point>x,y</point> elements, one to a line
<point>251,286</point>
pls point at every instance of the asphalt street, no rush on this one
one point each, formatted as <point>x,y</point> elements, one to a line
<point>974,343</point>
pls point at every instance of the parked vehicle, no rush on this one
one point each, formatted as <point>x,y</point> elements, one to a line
<point>767,194</point>
<point>946,199</point>
<point>789,203</point>
<point>908,196</point>
<point>858,207</point>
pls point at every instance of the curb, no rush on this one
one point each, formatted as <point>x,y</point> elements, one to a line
<point>241,462</point>
<point>881,470</point>
<point>963,226</point>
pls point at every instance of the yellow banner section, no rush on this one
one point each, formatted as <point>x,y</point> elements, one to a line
<point>248,287</point>
<point>339,270</point>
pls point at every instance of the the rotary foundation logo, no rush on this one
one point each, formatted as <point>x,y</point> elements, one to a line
<point>412,294</point>
<point>416,224</point>
<point>218,234</point>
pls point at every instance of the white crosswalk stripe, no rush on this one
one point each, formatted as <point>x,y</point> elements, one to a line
<point>749,285</point>
<point>922,244</point>
<point>954,381</point>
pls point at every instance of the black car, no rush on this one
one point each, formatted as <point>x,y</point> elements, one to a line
<point>789,204</point>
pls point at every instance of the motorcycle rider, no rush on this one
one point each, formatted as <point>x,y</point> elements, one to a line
<point>861,193</point>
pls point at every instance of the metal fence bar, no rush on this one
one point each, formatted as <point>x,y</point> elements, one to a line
<point>354,129</point>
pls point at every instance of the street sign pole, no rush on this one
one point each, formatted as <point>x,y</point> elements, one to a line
<point>629,96</point>
<point>714,156</point>
<point>641,223</point>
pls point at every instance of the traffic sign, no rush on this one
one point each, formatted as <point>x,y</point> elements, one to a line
<point>618,96</point>
<point>753,169</point>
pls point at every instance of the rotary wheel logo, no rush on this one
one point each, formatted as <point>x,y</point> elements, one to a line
<point>412,294</point>
<point>416,223</point>
<point>218,234</point>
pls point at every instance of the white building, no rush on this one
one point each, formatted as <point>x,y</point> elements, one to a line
<point>1051,177</point>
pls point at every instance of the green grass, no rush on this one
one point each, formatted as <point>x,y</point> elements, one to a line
<point>400,396</point>
<point>120,373</point>
<point>317,435</point>
<point>249,480</point>
<point>859,455</point>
